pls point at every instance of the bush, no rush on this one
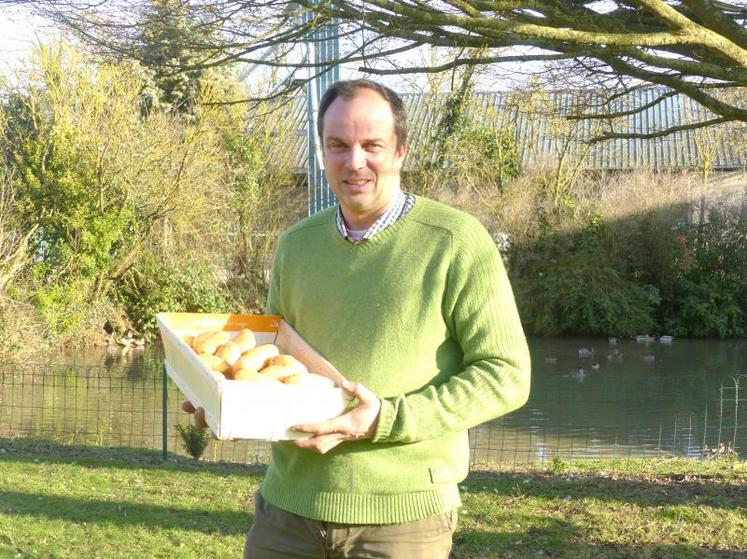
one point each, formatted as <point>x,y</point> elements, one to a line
<point>154,287</point>
<point>100,186</point>
<point>194,439</point>
<point>495,151</point>
<point>581,295</point>
<point>708,295</point>
<point>707,307</point>
<point>64,305</point>
<point>23,333</point>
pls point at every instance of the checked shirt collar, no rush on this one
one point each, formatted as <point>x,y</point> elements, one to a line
<point>402,204</point>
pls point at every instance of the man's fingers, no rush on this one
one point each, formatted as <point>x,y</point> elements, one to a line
<point>327,443</point>
<point>321,443</point>
<point>322,428</point>
<point>199,412</point>
<point>358,390</point>
<point>200,418</point>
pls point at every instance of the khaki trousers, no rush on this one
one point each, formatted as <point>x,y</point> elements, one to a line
<point>279,534</point>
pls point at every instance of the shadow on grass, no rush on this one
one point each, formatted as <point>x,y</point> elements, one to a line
<point>124,513</point>
<point>544,542</point>
<point>658,490</point>
<point>653,491</point>
<point>545,537</point>
<point>50,452</point>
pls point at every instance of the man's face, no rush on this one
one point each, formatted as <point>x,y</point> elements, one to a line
<point>361,159</point>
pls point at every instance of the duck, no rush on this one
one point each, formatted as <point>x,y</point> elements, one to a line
<point>666,339</point>
<point>612,340</point>
<point>130,339</point>
<point>595,366</point>
<point>579,373</point>
<point>585,352</point>
<point>614,355</point>
<point>644,339</point>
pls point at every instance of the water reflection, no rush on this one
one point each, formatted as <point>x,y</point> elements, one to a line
<point>132,362</point>
<point>639,399</point>
<point>624,399</point>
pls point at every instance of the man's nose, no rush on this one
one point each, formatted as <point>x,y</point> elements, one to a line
<point>356,158</point>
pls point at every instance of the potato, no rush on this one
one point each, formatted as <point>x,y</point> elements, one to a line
<point>214,362</point>
<point>309,379</point>
<point>209,342</point>
<point>289,362</point>
<point>229,352</point>
<point>250,375</point>
<point>246,340</point>
<point>199,340</point>
<point>277,372</point>
<point>257,358</point>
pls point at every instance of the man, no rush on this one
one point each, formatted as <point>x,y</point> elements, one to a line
<point>409,300</point>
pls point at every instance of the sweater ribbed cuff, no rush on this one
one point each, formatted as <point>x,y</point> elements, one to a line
<point>385,423</point>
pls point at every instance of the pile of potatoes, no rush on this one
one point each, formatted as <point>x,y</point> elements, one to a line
<point>240,358</point>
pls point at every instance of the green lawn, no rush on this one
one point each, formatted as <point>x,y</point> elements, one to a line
<point>88,502</point>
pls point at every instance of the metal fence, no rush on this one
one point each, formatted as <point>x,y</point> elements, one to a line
<point>117,405</point>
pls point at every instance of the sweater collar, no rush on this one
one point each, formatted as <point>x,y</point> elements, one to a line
<point>399,207</point>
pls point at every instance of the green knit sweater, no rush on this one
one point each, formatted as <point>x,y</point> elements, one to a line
<point>424,316</point>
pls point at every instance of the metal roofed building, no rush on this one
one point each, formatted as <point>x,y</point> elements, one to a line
<point>539,124</point>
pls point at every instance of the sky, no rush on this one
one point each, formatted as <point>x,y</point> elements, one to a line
<point>19,31</point>
<point>16,37</point>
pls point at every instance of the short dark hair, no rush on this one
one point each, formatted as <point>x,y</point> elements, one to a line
<point>348,89</point>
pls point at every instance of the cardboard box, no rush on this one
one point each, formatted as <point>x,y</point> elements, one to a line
<point>244,409</point>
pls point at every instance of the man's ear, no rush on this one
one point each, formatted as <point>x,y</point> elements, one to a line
<point>401,151</point>
<point>321,153</point>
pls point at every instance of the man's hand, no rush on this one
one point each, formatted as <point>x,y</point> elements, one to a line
<point>199,414</point>
<point>359,423</point>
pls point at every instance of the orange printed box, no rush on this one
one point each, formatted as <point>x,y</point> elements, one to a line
<point>236,409</point>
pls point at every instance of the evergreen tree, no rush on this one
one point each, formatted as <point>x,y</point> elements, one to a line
<point>168,39</point>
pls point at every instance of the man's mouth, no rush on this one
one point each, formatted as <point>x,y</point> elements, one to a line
<point>356,183</point>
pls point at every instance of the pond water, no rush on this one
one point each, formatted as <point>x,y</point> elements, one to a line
<point>642,399</point>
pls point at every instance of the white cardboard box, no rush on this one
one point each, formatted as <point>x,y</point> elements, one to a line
<point>249,410</point>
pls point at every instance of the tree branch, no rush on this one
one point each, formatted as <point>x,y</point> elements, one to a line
<point>463,62</point>
<point>659,133</point>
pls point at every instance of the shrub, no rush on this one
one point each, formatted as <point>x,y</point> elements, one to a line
<point>581,295</point>
<point>494,151</point>
<point>24,337</point>
<point>154,287</point>
<point>64,305</point>
<point>194,439</point>
<point>707,307</point>
<point>708,295</point>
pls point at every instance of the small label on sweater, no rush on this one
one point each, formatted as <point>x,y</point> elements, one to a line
<point>441,475</point>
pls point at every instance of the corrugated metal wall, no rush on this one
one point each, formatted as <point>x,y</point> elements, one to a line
<point>323,47</point>
<point>542,129</point>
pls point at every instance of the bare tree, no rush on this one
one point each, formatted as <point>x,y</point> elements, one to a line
<point>15,233</point>
<point>694,47</point>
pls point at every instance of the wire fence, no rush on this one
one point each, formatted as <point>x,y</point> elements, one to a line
<point>124,407</point>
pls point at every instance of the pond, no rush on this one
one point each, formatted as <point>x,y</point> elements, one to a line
<point>632,399</point>
<point>644,398</point>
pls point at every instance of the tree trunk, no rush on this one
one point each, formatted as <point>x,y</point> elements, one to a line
<point>13,263</point>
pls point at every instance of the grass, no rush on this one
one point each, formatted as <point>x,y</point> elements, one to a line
<point>88,502</point>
